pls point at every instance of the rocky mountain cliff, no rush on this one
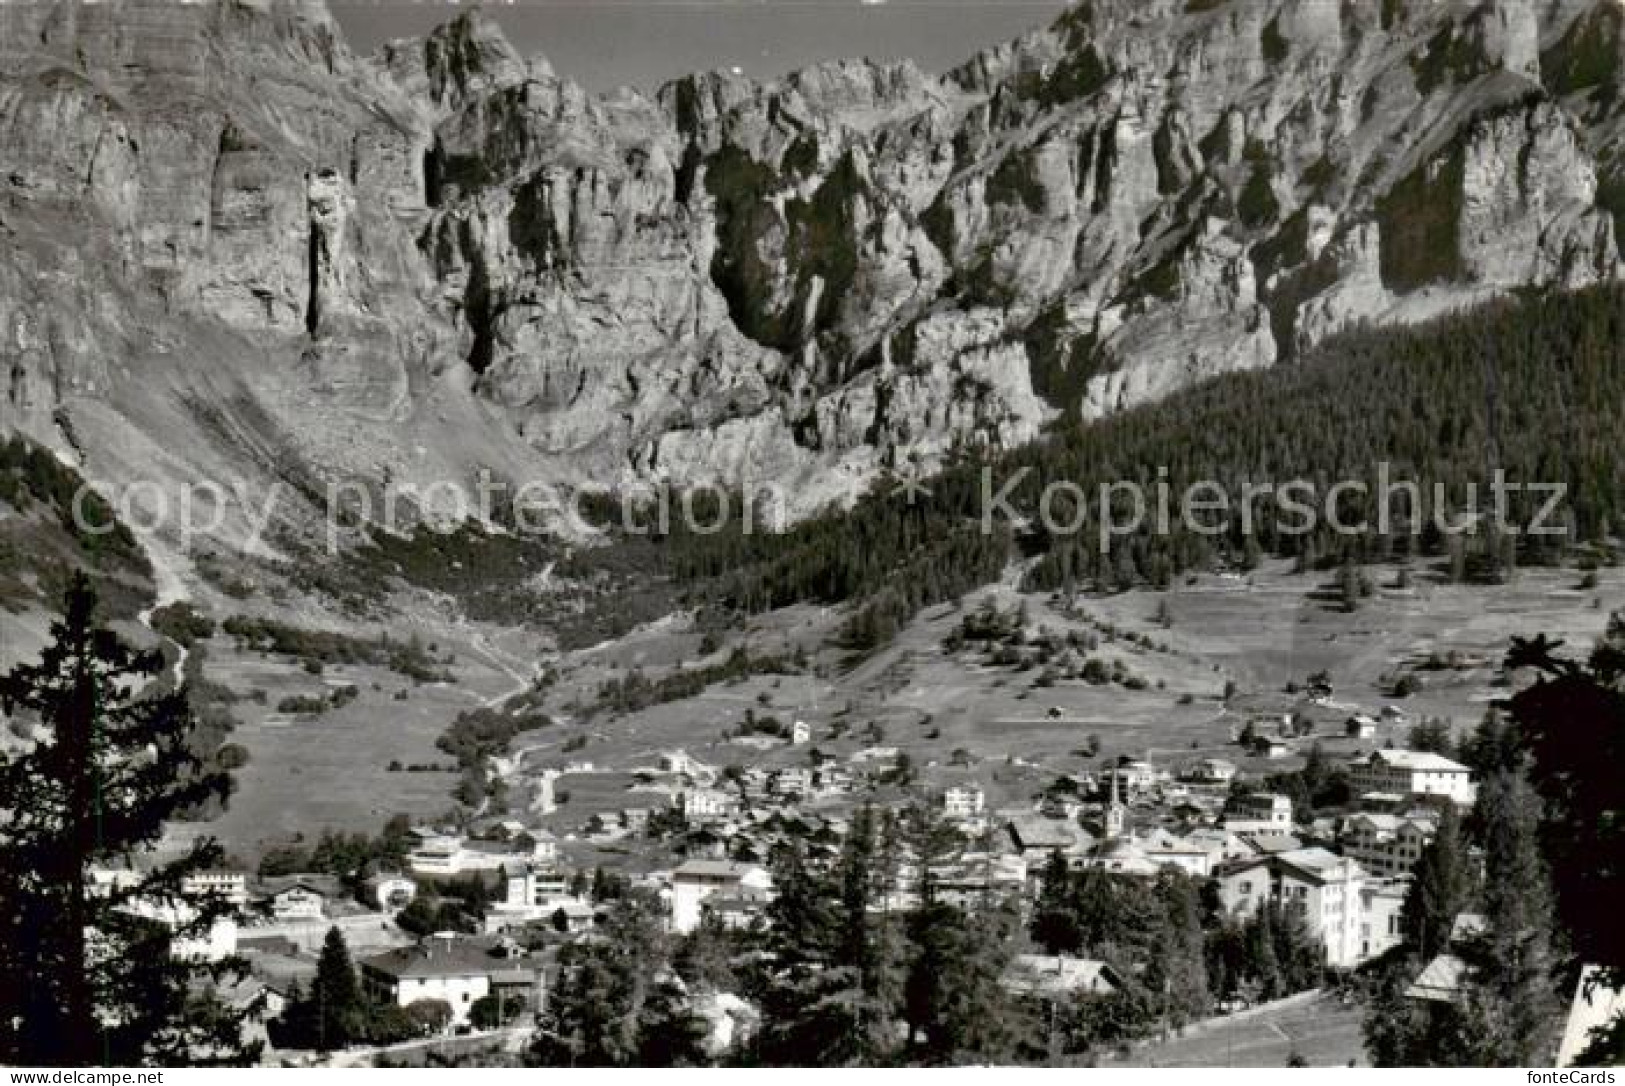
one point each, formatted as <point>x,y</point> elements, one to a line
<point>235,250</point>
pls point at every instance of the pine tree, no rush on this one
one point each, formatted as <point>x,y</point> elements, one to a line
<point>83,979</point>
<point>953,1001</point>
<point>339,1010</point>
<point>596,1012</point>
<point>1441,884</point>
<point>1514,967</point>
<point>1178,968</point>
<point>1054,924</point>
<point>670,1033</point>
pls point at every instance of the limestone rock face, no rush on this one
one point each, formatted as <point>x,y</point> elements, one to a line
<point>223,228</point>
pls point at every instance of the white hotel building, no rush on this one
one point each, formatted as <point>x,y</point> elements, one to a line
<point>1412,773</point>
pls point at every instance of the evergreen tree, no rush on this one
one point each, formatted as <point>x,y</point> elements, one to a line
<point>1512,998</point>
<point>596,1012</point>
<point>1178,967</point>
<point>1441,884</point>
<point>704,956</point>
<point>670,1033</point>
<point>953,1002</point>
<point>85,980</point>
<point>1054,924</point>
<point>1432,734</point>
<point>334,1014</point>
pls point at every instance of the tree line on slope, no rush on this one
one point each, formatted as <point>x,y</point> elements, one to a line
<point>1526,386</point>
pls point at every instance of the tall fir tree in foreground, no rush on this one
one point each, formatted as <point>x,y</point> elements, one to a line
<point>85,978</point>
<point>1571,721</point>
<point>1504,1012</point>
<point>1513,1001</point>
<point>334,1014</point>
<point>1441,885</point>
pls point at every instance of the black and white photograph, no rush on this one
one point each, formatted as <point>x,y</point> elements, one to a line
<point>876,534</point>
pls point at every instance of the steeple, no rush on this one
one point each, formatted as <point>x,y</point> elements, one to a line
<point>1116,813</point>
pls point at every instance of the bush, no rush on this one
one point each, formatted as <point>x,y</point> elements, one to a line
<point>430,1016</point>
<point>182,624</point>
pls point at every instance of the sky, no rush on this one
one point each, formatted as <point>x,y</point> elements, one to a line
<point>604,44</point>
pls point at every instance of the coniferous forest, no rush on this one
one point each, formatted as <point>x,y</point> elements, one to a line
<point>1529,387</point>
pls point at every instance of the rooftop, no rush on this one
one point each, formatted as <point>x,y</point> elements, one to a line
<point>1416,761</point>
<point>440,956</point>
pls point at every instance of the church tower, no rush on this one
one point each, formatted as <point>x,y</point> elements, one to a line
<point>1116,812</point>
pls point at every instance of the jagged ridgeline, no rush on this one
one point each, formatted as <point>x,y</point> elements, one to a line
<point>51,525</point>
<point>290,261</point>
<point>1529,385</point>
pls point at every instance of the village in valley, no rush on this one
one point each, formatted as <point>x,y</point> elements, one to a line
<point>1299,802</point>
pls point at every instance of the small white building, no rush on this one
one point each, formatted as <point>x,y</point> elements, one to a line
<point>1360,726</point>
<point>792,781</point>
<point>391,891</point>
<point>1412,773</point>
<point>1212,771</point>
<point>1382,903</point>
<point>1135,775</point>
<point>1259,812</point>
<point>231,886</point>
<point>705,804</point>
<point>682,763</point>
<point>963,802</point>
<point>697,880</point>
<point>1164,849</point>
<point>532,886</point>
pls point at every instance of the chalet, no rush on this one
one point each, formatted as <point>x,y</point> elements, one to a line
<point>792,781</point>
<point>1164,849</point>
<point>299,898</point>
<point>1221,845</point>
<point>1269,844</point>
<point>457,970</point>
<point>705,804</point>
<point>1134,775</point>
<point>744,910</point>
<point>1271,747</point>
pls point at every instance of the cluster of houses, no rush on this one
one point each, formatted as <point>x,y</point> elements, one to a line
<point>1346,876</point>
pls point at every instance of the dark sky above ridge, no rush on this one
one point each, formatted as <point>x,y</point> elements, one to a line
<point>606,43</point>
